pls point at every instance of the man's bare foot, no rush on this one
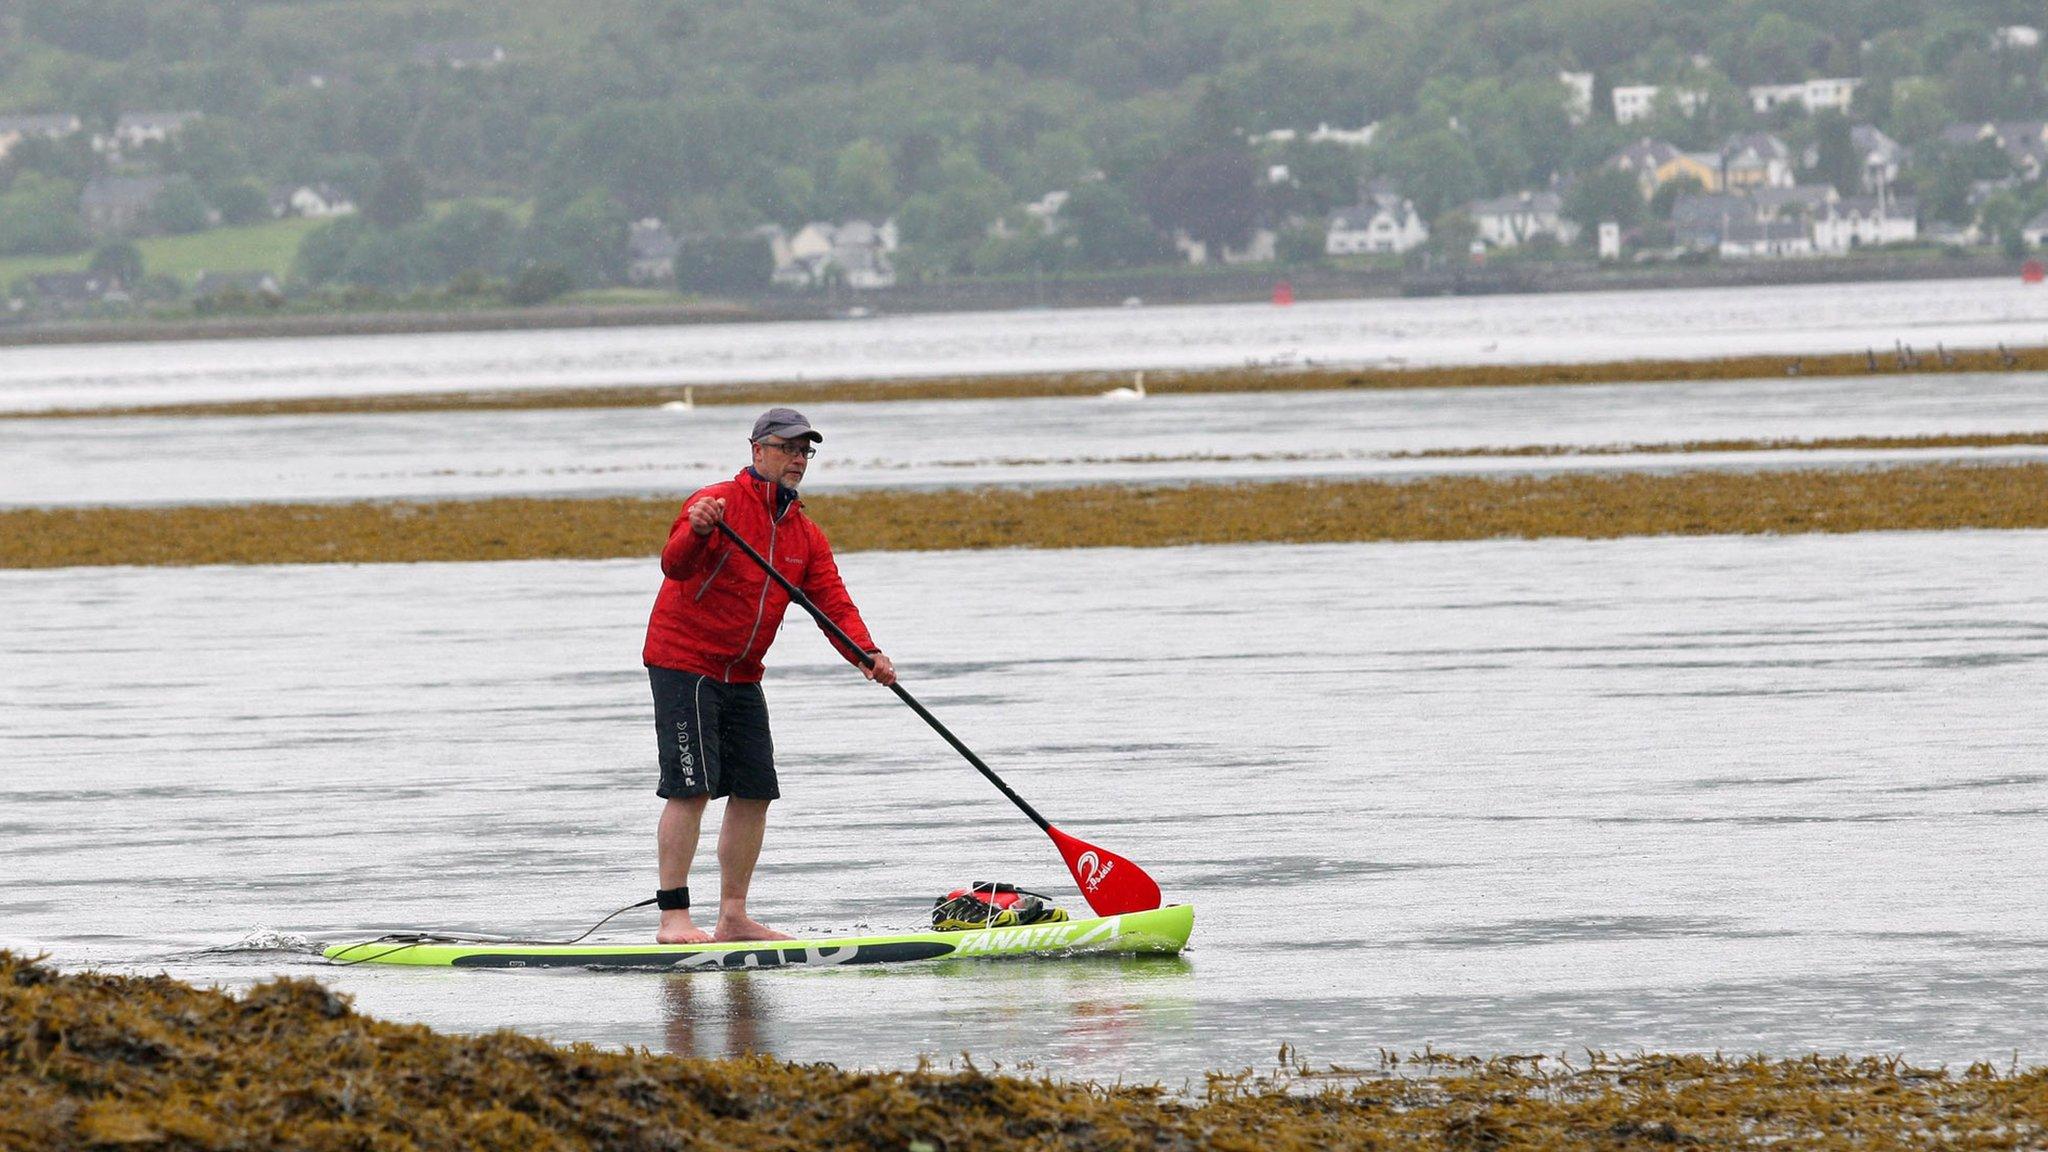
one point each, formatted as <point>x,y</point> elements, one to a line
<point>747,928</point>
<point>677,928</point>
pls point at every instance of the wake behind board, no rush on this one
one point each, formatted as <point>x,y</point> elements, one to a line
<point>1160,930</point>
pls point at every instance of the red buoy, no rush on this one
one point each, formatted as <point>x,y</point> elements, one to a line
<point>1283,292</point>
<point>2032,273</point>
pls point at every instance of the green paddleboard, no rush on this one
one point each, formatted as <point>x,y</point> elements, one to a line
<point>1161,930</point>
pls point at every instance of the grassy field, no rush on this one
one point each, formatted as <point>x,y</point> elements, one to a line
<point>265,247</point>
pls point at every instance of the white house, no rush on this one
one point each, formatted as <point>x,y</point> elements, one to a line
<point>856,253</point>
<point>318,202</point>
<point>1865,221</point>
<point>1259,248</point>
<point>1509,221</point>
<point>1766,240</point>
<point>2017,36</point>
<point>1578,95</point>
<point>15,129</point>
<point>1833,92</point>
<point>135,129</point>
<point>651,251</point>
<point>1385,222</point>
<point>1756,160</point>
<point>1632,102</point>
<point>1348,137</point>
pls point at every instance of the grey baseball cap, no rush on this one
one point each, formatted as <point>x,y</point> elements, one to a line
<point>787,423</point>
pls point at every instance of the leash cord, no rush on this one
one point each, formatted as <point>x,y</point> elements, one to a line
<point>417,937</point>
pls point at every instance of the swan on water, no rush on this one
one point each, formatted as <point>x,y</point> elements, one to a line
<point>1137,393</point>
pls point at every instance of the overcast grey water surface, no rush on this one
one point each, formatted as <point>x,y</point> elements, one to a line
<point>1779,794</point>
<point>1561,327</point>
<point>1161,439</point>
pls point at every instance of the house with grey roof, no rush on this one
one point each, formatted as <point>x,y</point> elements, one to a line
<point>651,251</point>
<point>1798,202</point>
<point>116,204</point>
<point>1866,222</point>
<point>1385,221</point>
<point>49,126</point>
<point>1700,219</point>
<point>1756,160</point>
<point>1515,219</point>
<point>138,129</point>
<point>1767,240</point>
<point>2024,142</point>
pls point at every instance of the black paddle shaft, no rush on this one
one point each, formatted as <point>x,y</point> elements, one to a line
<point>796,596</point>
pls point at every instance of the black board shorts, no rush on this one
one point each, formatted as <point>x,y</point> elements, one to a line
<point>712,737</point>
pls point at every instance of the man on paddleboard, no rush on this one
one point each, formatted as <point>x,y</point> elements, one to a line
<point>714,618</point>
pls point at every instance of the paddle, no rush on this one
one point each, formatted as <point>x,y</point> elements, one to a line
<point>1111,884</point>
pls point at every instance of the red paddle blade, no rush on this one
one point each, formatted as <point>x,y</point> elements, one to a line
<point>1112,884</point>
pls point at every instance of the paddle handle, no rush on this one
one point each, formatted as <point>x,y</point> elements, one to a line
<point>797,597</point>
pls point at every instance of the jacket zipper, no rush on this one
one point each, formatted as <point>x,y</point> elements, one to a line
<point>706,586</point>
<point>761,606</point>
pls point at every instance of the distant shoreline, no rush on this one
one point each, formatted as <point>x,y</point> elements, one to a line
<point>1223,286</point>
<point>1088,383</point>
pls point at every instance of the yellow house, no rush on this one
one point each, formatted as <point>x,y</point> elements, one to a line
<point>1705,169</point>
<point>1655,163</point>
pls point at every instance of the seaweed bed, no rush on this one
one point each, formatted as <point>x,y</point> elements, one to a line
<point>104,1061</point>
<point>1250,378</point>
<point>1919,497</point>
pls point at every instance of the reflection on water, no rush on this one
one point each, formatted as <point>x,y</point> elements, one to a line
<point>1778,794</point>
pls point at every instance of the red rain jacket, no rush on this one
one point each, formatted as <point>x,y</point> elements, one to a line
<point>717,611</point>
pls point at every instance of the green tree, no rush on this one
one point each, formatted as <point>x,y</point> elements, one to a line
<point>240,202</point>
<point>119,259</point>
<point>40,214</point>
<point>400,196</point>
<point>863,181</point>
<point>1835,159</point>
<point>1109,230</point>
<point>733,265</point>
<point>1212,196</point>
<point>538,284</point>
<point>324,251</point>
<point>179,208</point>
<point>587,238</point>
<point>1301,243</point>
<point>1601,195</point>
<point>469,237</point>
<point>1435,169</point>
<point>388,259</point>
<point>109,29</point>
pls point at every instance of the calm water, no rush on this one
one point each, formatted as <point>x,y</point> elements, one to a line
<point>1469,330</point>
<point>1777,794</point>
<point>1043,441</point>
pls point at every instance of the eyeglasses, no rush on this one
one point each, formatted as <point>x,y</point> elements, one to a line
<point>803,448</point>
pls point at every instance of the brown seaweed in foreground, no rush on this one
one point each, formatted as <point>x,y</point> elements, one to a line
<point>98,1061</point>
<point>1920,498</point>
<point>1251,378</point>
